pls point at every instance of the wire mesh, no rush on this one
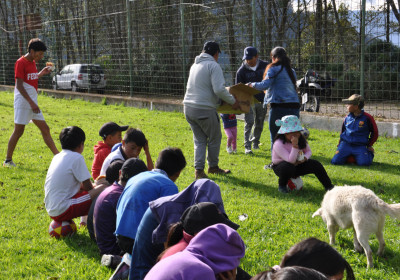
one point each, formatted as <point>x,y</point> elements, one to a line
<point>147,47</point>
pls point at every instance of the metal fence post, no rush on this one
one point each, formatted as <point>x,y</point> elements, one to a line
<point>182,12</point>
<point>362,59</point>
<point>130,58</point>
<point>53,38</point>
<point>88,54</point>
<point>253,9</point>
<point>2,60</point>
<point>23,29</point>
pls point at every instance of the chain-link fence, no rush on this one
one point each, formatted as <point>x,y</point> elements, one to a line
<point>147,47</point>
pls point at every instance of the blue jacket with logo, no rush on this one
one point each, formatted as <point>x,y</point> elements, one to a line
<point>279,86</point>
<point>359,130</point>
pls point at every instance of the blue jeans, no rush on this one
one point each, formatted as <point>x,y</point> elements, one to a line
<point>277,113</point>
<point>360,153</point>
<point>144,253</point>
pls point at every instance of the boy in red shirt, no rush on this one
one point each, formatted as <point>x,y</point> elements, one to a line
<point>25,98</point>
<point>111,134</point>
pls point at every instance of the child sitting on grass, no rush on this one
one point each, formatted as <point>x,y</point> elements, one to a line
<point>68,189</point>
<point>291,155</point>
<point>132,144</point>
<point>230,127</point>
<point>111,134</point>
<point>359,133</point>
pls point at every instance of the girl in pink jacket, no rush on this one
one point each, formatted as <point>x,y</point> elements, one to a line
<point>291,155</point>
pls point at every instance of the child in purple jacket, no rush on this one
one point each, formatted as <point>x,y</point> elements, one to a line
<point>230,128</point>
<point>214,251</point>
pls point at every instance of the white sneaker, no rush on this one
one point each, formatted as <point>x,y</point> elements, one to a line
<point>9,164</point>
<point>248,151</point>
<point>234,151</point>
<point>229,150</point>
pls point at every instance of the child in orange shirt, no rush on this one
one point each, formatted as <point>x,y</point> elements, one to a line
<point>111,134</point>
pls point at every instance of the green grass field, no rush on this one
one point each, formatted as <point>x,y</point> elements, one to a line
<point>275,221</point>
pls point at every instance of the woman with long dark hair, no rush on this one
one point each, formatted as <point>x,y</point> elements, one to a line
<point>280,84</point>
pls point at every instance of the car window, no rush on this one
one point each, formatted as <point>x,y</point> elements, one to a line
<point>64,70</point>
<point>93,69</point>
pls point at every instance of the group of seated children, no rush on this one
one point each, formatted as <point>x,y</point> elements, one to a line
<point>137,210</point>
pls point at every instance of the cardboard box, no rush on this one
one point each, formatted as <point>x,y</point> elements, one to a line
<point>244,94</point>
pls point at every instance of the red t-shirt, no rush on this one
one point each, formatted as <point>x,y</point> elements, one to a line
<point>27,71</point>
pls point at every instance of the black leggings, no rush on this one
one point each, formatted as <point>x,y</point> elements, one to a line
<point>286,170</point>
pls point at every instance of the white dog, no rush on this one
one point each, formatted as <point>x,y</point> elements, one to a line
<point>360,208</point>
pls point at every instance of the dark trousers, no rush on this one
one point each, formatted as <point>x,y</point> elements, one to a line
<point>125,243</point>
<point>286,170</point>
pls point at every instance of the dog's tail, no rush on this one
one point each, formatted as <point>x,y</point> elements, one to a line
<point>317,213</point>
<point>393,210</point>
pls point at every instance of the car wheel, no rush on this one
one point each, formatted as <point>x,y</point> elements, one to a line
<point>74,87</point>
<point>95,78</point>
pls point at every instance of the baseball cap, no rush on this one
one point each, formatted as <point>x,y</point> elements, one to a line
<point>211,47</point>
<point>132,167</point>
<point>199,216</point>
<point>111,127</point>
<point>355,99</point>
<point>249,53</point>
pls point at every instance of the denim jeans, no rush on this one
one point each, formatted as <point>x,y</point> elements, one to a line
<point>144,253</point>
<point>277,113</point>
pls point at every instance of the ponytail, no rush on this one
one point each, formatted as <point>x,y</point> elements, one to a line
<point>284,60</point>
<point>175,234</point>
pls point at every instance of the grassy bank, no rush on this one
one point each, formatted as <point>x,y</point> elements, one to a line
<point>275,221</point>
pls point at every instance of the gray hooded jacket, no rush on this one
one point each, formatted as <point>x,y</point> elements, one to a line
<point>206,84</point>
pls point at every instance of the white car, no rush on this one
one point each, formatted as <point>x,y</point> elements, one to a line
<point>80,76</point>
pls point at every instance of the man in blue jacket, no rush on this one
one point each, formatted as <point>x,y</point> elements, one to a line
<point>252,70</point>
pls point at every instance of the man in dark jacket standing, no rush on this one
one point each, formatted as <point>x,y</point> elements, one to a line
<point>252,70</point>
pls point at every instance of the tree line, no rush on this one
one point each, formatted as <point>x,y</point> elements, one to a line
<point>166,35</point>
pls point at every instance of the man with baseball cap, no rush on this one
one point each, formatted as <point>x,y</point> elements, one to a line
<point>205,89</point>
<point>111,134</point>
<point>252,70</point>
<point>359,133</point>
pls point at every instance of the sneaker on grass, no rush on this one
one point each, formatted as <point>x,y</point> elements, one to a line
<point>248,151</point>
<point>9,163</point>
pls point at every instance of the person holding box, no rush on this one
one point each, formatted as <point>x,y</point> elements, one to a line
<point>204,92</point>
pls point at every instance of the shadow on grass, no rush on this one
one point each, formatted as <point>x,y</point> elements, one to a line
<point>7,105</point>
<point>377,166</point>
<point>387,259</point>
<point>306,195</point>
<point>82,243</point>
